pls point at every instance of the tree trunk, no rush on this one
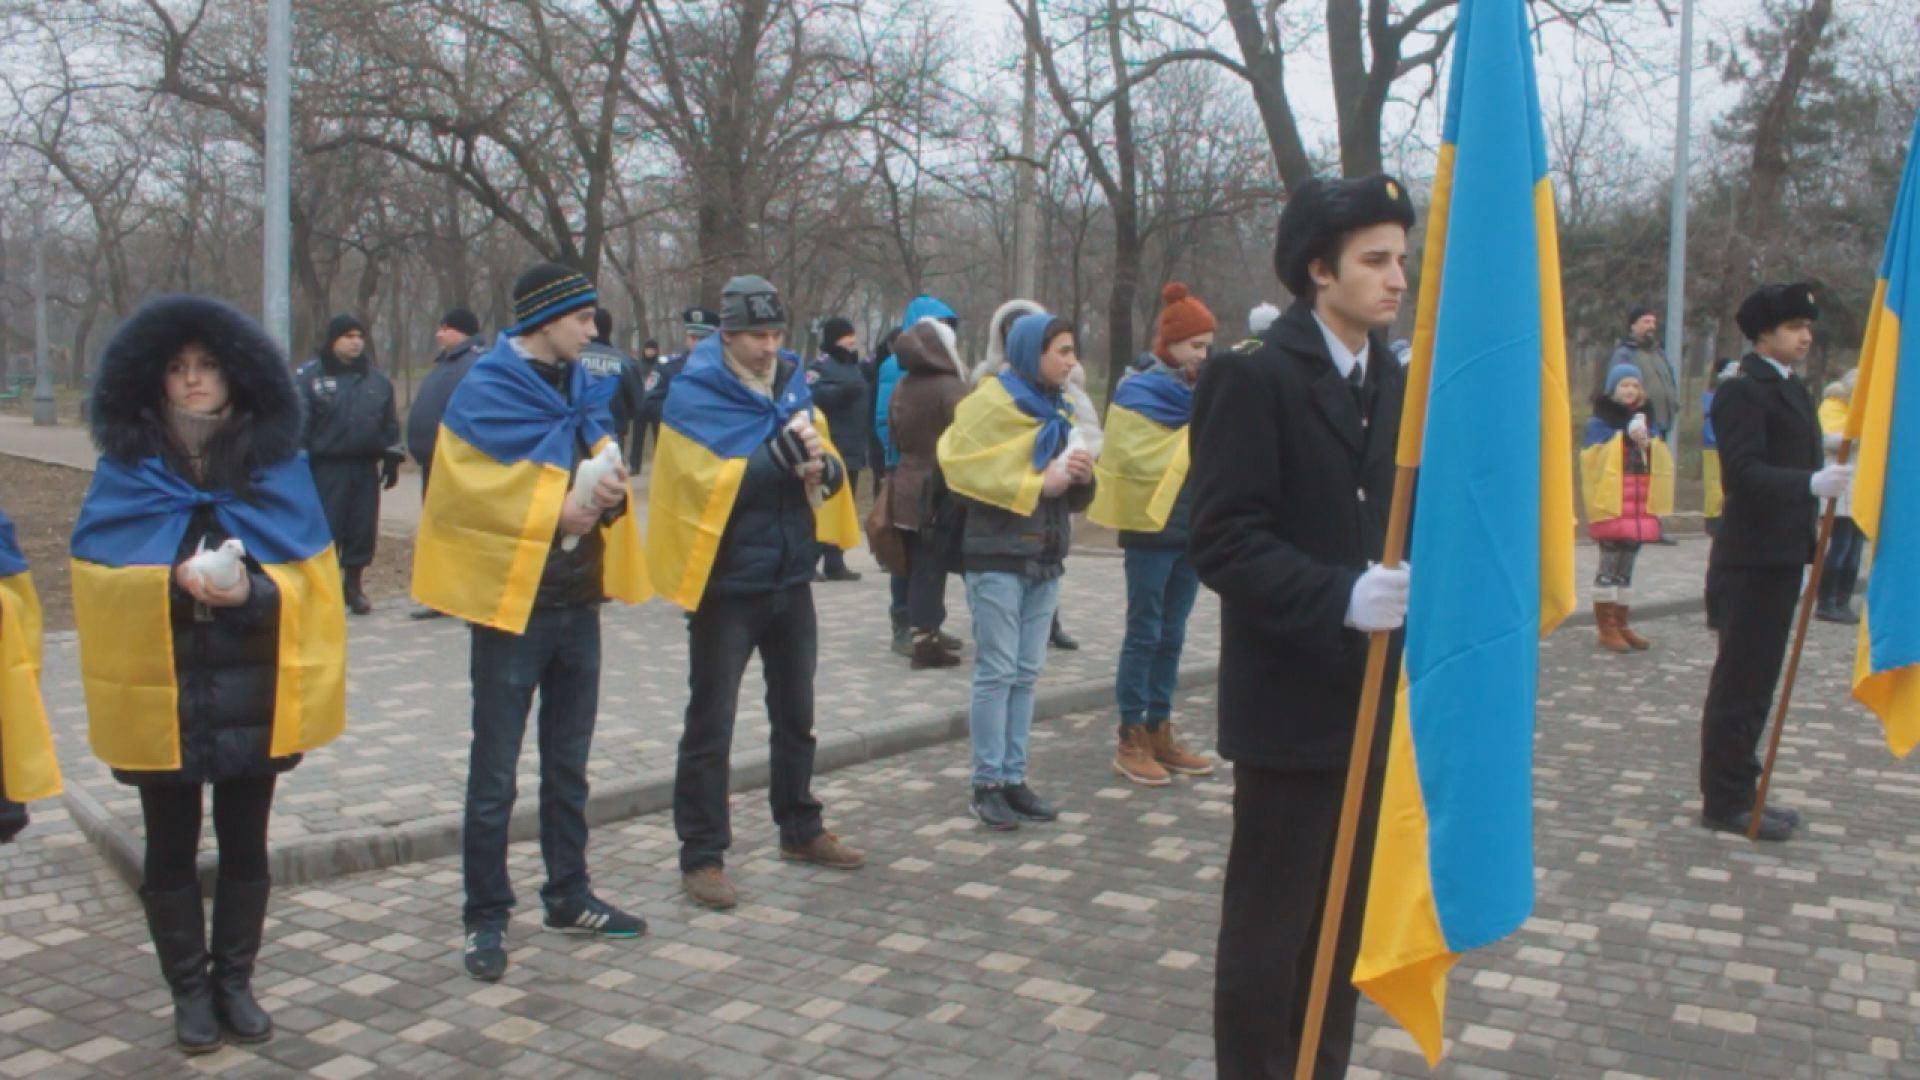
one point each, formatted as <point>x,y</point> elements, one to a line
<point>1267,70</point>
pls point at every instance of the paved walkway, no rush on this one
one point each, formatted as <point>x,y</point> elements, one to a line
<point>1082,949</point>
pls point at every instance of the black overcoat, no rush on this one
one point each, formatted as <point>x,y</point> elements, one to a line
<point>1770,447</point>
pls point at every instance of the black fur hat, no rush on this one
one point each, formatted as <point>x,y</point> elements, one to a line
<point>1770,305</point>
<point>1321,212</point>
<point>129,390</point>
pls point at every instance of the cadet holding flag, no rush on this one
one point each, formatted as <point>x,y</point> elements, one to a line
<point>192,681</point>
<point>28,770</point>
<point>746,487</point>
<point>1293,471</point>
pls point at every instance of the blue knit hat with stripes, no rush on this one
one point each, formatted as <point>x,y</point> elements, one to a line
<point>546,292</point>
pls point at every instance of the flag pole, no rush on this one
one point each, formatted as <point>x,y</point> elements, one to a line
<point>1793,658</point>
<point>1357,769</point>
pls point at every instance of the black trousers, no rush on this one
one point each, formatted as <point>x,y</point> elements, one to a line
<point>926,579</point>
<point>723,635</point>
<point>241,809</point>
<point>1753,608</point>
<point>1284,823</point>
<point>350,495</point>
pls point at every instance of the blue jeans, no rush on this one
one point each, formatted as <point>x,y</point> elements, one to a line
<point>1011,617</point>
<point>1161,587</point>
<point>559,655</point>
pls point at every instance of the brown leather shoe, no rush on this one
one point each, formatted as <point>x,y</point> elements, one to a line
<point>1134,759</point>
<point>825,850</point>
<point>1633,640</point>
<point>928,653</point>
<point>1173,755</point>
<point>1607,620</point>
<point>709,887</point>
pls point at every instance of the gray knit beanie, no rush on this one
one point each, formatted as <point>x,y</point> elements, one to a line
<point>750,302</point>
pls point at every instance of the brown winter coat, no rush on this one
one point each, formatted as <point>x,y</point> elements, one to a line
<point>920,411</point>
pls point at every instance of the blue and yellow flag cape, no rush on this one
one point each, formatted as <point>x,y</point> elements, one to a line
<point>502,464</point>
<point>1710,459</point>
<point>28,769</point>
<point>711,424</point>
<point>987,453</point>
<point>1492,537</point>
<point>1143,464</point>
<point>1603,478</point>
<point>124,546</point>
<point>1885,425</point>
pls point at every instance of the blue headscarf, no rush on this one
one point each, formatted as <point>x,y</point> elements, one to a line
<point>1021,378</point>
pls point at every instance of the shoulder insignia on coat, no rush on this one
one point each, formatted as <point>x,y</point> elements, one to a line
<point>1249,346</point>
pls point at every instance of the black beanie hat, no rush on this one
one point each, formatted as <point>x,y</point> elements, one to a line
<point>603,326</point>
<point>338,327</point>
<point>1770,305</point>
<point>1321,212</point>
<point>462,320</point>
<point>546,292</point>
<point>1638,312</point>
<point>834,329</point>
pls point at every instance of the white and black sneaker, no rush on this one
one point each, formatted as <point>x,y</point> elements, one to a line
<point>592,915</point>
<point>486,953</point>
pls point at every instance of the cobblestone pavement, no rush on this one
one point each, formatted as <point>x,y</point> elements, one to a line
<point>1080,949</point>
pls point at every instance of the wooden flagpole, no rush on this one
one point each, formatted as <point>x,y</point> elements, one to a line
<point>1807,601</point>
<point>1357,769</point>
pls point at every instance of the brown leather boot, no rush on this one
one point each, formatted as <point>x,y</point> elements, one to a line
<point>1173,755</point>
<point>929,653</point>
<point>1635,641</point>
<point>825,850</point>
<point>1606,618</point>
<point>1135,760</point>
<point>708,886</point>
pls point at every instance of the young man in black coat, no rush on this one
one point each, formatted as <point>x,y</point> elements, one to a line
<point>701,323</point>
<point>840,391</point>
<point>458,336</point>
<point>352,439</point>
<point>1293,442</point>
<point>1773,472</point>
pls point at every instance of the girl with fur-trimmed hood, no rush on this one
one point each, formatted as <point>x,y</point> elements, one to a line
<point>198,425</point>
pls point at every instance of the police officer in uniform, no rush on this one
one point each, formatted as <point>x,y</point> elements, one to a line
<point>606,360</point>
<point>352,439</point>
<point>1773,473</point>
<point>701,323</point>
<point>1293,440</point>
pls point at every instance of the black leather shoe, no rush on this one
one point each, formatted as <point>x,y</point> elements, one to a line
<point>1062,640</point>
<point>1784,813</point>
<point>1772,829</point>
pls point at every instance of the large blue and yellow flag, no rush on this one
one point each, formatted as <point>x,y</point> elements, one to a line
<point>711,424</point>
<point>28,769</point>
<point>1143,464</point>
<point>1885,425</point>
<point>1492,537</point>
<point>502,464</point>
<point>125,544</point>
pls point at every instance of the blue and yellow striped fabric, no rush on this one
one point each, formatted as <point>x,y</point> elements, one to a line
<point>502,463</point>
<point>1143,463</point>
<point>124,546</point>
<point>711,423</point>
<point>1885,425</point>
<point>1492,537</point>
<point>28,768</point>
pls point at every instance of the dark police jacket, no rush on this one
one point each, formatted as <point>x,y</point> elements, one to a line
<point>349,408</point>
<point>1290,497</point>
<point>1770,447</point>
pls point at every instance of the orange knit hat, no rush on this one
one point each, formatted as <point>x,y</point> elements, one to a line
<point>1182,316</point>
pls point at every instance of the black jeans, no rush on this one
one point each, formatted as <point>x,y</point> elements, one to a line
<point>559,655</point>
<point>241,809</point>
<point>1276,888</point>
<point>1842,571</point>
<point>723,634</point>
<point>926,580</point>
<point>1753,608</point>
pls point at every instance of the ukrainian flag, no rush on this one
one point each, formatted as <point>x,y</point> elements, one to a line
<point>987,453</point>
<point>1885,424</point>
<point>502,464</point>
<point>1492,537</point>
<point>125,544</point>
<point>28,769</point>
<point>711,424</point>
<point>1143,464</point>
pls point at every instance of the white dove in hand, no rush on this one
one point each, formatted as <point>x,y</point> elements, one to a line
<point>220,568</point>
<point>587,477</point>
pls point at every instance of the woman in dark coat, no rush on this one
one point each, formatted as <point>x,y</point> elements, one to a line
<point>198,425</point>
<point>918,415</point>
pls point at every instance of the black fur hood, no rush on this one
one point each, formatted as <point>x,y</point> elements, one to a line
<point>129,388</point>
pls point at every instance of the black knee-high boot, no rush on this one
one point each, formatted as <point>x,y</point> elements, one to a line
<point>239,915</point>
<point>179,930</point>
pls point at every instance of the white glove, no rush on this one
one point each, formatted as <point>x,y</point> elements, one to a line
<point>1379,599</point>
<point>1832,482</point>
<point>1637,427</point>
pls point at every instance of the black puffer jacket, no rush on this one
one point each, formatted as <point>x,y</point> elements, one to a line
<point>840,391</point>
<point>1034,545</point>
<point>225,659</point>
<point>769,543</point>
<point>350,409</point>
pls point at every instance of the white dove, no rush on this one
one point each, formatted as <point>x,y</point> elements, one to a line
<point>220,568</point>
<point>586,478</point>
